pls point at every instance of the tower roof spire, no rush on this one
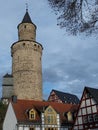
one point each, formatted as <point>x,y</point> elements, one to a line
<point>26,18</point>
<point>26,7</point>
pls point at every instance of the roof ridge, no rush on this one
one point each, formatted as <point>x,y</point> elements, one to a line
<point>64,92</point>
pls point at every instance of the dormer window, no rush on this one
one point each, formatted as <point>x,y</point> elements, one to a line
<point>69,116</point>
<point>50,116</point>
<point>32,114</point>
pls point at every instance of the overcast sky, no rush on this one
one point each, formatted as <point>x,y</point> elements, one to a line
<point>69,62</point>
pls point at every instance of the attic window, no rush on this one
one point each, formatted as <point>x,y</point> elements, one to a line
<point>32,114</point>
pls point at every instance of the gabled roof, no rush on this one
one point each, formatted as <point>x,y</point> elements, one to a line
<point>93,92</point>
<point>69,98</point>
<point>22,106</point>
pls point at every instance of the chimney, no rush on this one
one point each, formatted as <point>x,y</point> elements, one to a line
<point>14,99</point>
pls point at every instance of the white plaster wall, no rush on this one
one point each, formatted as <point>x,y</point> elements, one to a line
<point>27,128</point>
<point>64,129</point>
<point>23,128</point>
<point>10,120</point>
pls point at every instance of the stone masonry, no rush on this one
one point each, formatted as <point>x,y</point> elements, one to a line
<point>7,86</point>
<point>26,62</point>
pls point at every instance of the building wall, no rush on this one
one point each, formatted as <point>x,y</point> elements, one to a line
<point>27,31</point>
<point>7,87</point>
<point>26,63</point>
<point>10,119</point>
<point>27,70</point>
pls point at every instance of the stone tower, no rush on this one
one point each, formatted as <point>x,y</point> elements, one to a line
<point>26,62</point>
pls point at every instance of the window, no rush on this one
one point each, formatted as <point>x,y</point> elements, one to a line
<point>93,101</point>
<point>80,113</point>
<point>24,26</point>
<point>89,110</point>
<point>95,117</point>
<point>50,119</point>
<point>51,128</point>
<point>49,110</point>
<point>23,44</point>
<point>94,109</point>
<point>90,118</point>
<point>50,116</point>
<point>85,119</point>
<point>31,128</point>
<point>80,120</point>
<point>84,111</point>
<point>32,114</point>
<point>88,102</point>
<point>83,103</point>
<point>88,95</point>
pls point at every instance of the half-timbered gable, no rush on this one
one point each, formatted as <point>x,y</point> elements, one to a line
<point>58,96</point>
<point>87,116</point>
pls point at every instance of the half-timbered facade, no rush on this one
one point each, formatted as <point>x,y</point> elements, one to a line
<point>38,115</point>
<point>62,97</point>
<point>87,116</point>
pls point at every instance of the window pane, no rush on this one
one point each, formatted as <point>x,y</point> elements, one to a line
<point>84,111</point>
<point>83,104</point>
<point>80,127</point>
<point>88,102</point>
<point>80,120</point>
<point>79,112</point>
<point>85,119</point>
<point>94,109</point>
<point>88,110</point>
<point>93,101</point>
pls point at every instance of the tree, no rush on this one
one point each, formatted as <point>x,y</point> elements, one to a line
<point>76,16</point>
<point>3,109</point>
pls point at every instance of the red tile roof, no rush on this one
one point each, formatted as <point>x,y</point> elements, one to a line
<point>22,106</point>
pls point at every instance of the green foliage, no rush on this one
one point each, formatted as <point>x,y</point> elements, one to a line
<point>3,109</point>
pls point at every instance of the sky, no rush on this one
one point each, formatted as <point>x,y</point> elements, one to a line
<point>69,62</point>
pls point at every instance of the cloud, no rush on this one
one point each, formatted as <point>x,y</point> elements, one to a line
<point>74,66</point>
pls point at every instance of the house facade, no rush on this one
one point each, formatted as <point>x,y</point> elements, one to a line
<point>7,87</point>
<point>38,115</point>
<point>87,116</point>
<point>62,97</point>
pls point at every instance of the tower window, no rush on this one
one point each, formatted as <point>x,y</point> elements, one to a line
<point>23,44</point>
<point>25,26</point>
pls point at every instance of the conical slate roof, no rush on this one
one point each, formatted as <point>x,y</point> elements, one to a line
<point>26,18</point>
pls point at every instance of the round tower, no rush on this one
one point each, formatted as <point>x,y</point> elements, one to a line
<point>26,62</point>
